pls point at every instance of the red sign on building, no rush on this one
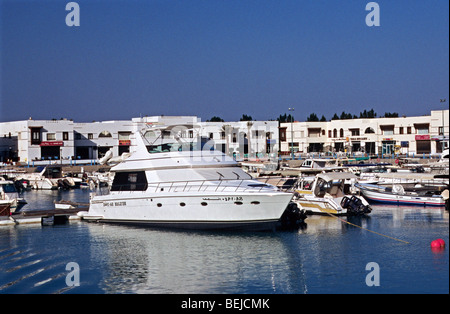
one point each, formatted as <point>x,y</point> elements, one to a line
<point>124,142</point>
<point>422,137</point>
<point>52,143</point>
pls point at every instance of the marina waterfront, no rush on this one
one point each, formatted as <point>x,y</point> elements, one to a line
<point>327,256</point>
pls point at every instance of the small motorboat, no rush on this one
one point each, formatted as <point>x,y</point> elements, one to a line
<point>329,193</point>
<point>9,194</point>
<point>399,196</point>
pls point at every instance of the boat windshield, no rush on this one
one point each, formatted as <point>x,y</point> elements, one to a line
<point>8,188</point>
<point>331,187</point>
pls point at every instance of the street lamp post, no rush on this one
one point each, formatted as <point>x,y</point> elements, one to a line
<point>292,133</point>
<point>443,125</point>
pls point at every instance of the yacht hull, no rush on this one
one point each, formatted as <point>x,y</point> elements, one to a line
<point>250,211</point>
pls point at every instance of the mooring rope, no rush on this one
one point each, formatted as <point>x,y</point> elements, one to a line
<point>383,235</point>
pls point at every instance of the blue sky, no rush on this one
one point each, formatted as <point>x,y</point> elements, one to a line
<point>221,58</point>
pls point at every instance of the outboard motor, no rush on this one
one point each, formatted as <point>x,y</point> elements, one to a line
<point>292,217</point>
<point>355,206</point>
<point>63,184</point>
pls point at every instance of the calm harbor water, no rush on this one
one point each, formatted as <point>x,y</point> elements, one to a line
<point>327,256</point>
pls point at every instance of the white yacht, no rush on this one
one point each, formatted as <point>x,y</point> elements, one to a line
<point>171,182</point>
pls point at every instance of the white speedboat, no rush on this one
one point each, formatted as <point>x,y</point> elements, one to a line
<point>49,178</point>
<point>10,195</point>
<point>399,196</point>
<point>328,193</point>
<point>172,183</point>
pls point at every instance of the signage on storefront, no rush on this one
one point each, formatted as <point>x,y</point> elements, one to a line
<point>124,142</point>
<point>52,143</point>
<point>422,137</point>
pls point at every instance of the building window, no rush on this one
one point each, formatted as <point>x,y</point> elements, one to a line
<point>90,136</point>
<point>313,132</point>
<point>422,131</point>
<point>387,129</point>
<point>369,130</point>
<point>441,130</point>
<point>294,146</point>
<point>105,134</point>
<point>400,130</point>
<point>51,136</point>
<point>408,130</point>
<point>124,136</point>
<point>283,134</point>
<point>334,133</point>
<point>222,135</point>
<point>65,136</point>
<point>35,136</point>
<point>341,133</point>
<point>422,128</point>
<point>211,136</point>
<point>355,132</point>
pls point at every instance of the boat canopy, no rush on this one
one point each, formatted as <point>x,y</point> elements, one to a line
<point>330,176</point>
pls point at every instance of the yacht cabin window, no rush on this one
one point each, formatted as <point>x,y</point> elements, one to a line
<point>129,181</point>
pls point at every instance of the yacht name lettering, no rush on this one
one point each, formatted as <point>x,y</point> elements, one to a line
<point>232,198</point>
<point>114,204</point>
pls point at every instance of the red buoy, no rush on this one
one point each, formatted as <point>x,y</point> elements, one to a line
<point>437,243</point>
<point>441,242</point>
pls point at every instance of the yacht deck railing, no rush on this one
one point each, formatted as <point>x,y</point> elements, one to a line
<point>224,185</point>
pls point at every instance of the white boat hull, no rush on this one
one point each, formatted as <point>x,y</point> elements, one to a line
<point>398,199</point>
<point>201,211</point>
<point>321,206</point>
<point>316,205</point>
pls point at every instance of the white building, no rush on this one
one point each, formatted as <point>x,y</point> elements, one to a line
<point>241,139</point>
<point>404,135</point>
<point>36,141</point>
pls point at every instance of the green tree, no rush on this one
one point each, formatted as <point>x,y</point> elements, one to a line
<point>368,114</point>
<point>345,115</point>
<point>335,117</point>
<point>283,118</point>
<point>246,118</point>
<point>312,117</point>
<point>215,119</point>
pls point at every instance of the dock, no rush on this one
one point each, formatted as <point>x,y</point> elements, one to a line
<point>43,217</point>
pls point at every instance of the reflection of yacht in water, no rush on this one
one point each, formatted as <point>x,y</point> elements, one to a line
<point>171,182</point>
